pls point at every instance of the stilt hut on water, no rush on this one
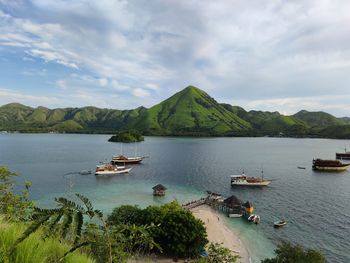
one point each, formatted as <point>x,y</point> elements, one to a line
<point>234,206</point>
<point>159,190</point>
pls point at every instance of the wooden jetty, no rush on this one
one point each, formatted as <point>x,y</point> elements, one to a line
<point>232,206</point>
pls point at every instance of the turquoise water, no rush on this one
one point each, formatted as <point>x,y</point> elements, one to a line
<point>316,205</point>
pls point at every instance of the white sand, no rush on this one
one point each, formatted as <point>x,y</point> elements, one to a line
<point>218,232</point>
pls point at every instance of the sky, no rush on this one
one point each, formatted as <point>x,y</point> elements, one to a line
<point>274,55</point>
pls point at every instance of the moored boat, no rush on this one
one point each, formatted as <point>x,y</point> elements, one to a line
<point>125,159</point>
<point>244,180</point>
<point>343,156</point>
<point>329,165</point>
<point>108,169</point>
<point>280,223</point>
<point>254,218</point>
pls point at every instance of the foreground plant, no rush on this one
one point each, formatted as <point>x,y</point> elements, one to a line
<point>13,206</point>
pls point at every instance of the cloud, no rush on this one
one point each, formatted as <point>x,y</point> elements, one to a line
<point>240,51</point>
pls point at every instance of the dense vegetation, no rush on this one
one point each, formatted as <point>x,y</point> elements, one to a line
<point>190,112</point>
<point>127,136</point>
<point>179,233</point>
<point>288,253</point>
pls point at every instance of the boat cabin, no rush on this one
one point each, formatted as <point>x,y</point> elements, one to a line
<point>159,190</point>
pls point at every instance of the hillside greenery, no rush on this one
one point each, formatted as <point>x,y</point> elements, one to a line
<point>179,233</point>
<point>288,253</point>
<point>190,112</point>
<point>127,136</point>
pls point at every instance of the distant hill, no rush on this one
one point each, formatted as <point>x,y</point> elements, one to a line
<point>190,112</point>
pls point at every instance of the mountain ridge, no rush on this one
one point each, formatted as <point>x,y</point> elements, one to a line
<point>189,112</point>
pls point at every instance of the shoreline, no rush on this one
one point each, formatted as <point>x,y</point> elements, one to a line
<point>219,232</point>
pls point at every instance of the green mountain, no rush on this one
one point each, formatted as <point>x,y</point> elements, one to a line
<point>319,119</point>
<point>189,112</point>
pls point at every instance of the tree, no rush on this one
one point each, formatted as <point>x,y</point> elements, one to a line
<point>288,253</point>
<point>178,233</point>
<point>14,207</point>
<point>219,254</point>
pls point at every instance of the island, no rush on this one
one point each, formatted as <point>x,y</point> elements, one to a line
<point>127,136</point>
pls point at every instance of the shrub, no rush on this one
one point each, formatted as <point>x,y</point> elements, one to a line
<point>288,253</point>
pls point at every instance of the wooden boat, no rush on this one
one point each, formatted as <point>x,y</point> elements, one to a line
<point>244,180</point>
<point>343,156</point>
<point>280,223</point>
<point>124,159</point>
<point>108,169</point>
<point>329,165</point>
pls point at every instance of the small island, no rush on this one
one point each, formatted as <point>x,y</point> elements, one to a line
<point>127,136</point>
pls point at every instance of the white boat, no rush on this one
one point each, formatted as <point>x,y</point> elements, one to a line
<point>254,218</point>
<point>244,180</point>
<point>108,169</point>
<point>235,215</point>
<point>125,159</point>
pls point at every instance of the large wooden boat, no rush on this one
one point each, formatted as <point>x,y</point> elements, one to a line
<point>108,169</point>
<point>343,156</point>
<point>244,180</point>
<point>329,165</point>
<point>124,159</point>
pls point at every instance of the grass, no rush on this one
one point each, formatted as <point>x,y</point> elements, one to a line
<point>35,249</point>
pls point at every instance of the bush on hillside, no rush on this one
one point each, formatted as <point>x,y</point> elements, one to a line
<point>178,233</point>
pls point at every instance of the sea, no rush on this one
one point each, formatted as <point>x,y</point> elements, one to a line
<point>315,204</point>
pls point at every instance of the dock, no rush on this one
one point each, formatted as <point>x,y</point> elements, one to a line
<point>232,206</point>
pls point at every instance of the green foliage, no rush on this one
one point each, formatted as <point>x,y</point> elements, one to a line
<point>34,249</point>
<point>219,254</point>
<point>288,253</point>
<point>178,233</point>
<point>190,112</point>
<point>16,207</point>
<point>127,136</point>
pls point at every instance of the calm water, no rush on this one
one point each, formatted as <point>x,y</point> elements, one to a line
<point>315,204</point>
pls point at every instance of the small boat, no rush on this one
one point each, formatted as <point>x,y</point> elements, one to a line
<point>301,167</point>
<point>244,180</point>
<point>235,215</point>
<point>254,219</point>
<point>85,172</point>
<point>280,223</point>
<point>124,159</point>
<point>108,169</point>
<point>329,165</point>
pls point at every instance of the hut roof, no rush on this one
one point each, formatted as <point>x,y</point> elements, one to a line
<point>159,187</point>
<point>232,201</point>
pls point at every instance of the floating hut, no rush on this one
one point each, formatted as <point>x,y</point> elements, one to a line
<point>159,190</point>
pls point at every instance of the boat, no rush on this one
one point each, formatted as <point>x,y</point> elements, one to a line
<point>125,159</point>
<point>254,218</point>
<point>235,215</point>
<point>244,180</point>
<point>108,169</point>
<point>280,223</point>
<point>301,167</point>
<point>329,165</point>
<point>343,156</point>
<point>85,172</point>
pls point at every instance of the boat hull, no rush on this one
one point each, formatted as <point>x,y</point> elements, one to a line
<point>113,172</point>
<point>266,183</point>
<point>330,169</point>
<point>235,215</point>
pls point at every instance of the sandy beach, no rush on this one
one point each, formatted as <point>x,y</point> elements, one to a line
<point>218,232</point>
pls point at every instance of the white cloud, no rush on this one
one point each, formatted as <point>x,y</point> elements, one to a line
<point>140,93</point>
<point>247,51</point>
